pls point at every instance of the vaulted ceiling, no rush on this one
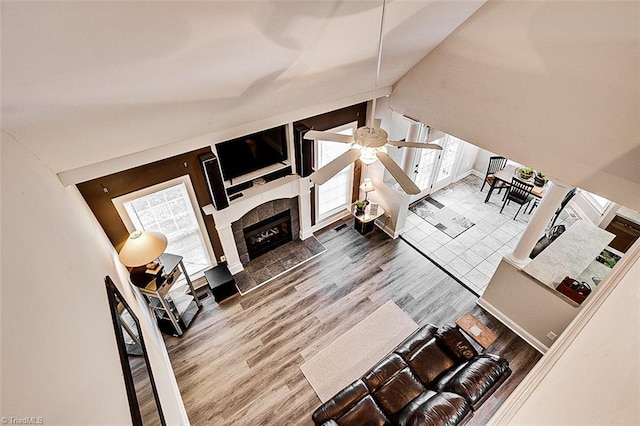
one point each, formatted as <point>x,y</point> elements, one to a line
<point>85,83</point>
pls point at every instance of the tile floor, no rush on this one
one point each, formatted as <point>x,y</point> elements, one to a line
<point>474,255</point>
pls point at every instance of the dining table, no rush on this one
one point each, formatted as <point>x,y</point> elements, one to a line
<point>507,173</point>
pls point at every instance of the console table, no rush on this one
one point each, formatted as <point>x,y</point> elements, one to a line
<point>175,306</point>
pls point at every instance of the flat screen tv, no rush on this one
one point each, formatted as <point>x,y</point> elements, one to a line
<point>253,152</point>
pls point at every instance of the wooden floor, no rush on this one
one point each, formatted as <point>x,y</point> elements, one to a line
<point>239,362</point>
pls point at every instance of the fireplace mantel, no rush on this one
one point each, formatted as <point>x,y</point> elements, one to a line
<point>285,187</point>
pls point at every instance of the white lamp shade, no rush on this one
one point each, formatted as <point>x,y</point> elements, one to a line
<point>367,185</point>
<point>142,247</point>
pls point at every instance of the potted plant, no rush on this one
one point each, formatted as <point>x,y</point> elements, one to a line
<point>525,172</point>
<point>539,179</point>
<point>360,205</point>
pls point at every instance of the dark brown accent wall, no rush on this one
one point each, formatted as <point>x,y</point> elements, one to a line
<point>137,178</point>
<point>131,180</point>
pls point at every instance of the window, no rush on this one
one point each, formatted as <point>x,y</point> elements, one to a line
<point>335,194</point>
<point>169,208</point>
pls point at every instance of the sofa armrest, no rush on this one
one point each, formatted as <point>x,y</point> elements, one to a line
<point>477,379</point>
<point>342,402</point>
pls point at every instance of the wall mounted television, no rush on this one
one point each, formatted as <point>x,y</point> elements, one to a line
<point>252,152</point>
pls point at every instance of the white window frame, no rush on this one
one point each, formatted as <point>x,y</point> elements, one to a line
<point>600,204</point>
<point>118,203</point>
<point>328,217</point>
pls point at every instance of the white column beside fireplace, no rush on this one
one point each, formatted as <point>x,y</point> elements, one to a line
<point>285,187</point>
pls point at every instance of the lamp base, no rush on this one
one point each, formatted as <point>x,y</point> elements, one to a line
<point>153,268</point>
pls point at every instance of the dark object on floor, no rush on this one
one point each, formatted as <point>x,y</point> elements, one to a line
<point>574,289</point>
<point>495,164</point>
<point>434,377</point>
<point>339,227</point>
<point>543,242</point>
<point>221,282</point>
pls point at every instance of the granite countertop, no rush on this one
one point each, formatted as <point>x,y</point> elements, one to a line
<point>570,254</point>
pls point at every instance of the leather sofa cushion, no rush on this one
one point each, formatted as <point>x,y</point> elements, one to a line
<point>383,371</point>
<point>396,393</point>
<point>435,408</point>
<point>476,379</point>
<point>430,361</point>
<point>365,412</point>
<point>455,343</point>
<point>341,402</point>
<point>417,339</point>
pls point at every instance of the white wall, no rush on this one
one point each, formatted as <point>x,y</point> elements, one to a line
<point>530,308</point>
<point>553,85</point>
<point>59,356</point>
<point>467,160</point>
<point>592,377</point>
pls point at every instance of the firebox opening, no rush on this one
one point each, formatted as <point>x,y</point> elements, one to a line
<point>268,234</point>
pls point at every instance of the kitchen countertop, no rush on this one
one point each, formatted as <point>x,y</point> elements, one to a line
<point>570,254</point>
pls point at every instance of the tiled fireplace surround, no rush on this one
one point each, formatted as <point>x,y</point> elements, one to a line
<point>260,213</point>
<point>258,203</point>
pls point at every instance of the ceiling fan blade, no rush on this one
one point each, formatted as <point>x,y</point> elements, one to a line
<point>325,173</point>
<point>399,175</point>
<point>401,144</point>
<point>327,136</point>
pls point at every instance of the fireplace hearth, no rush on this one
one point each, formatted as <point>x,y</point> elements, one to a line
<point>268,234</point>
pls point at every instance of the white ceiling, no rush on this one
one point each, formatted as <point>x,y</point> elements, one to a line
<point>89,82</point>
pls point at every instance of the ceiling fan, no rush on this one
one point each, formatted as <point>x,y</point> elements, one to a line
<point>368,143</point>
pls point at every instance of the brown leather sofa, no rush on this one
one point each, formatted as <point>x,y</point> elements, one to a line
<point>434,377</point>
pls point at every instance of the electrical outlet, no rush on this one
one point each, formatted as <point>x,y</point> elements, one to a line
<point>551,335</point>
<point>223,258</point>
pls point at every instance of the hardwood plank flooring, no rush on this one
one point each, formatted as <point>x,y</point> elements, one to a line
<point>239,362</point>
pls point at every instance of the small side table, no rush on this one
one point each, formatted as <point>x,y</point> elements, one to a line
<point>476,330</point>
<point>175,306</point>
<point>221,282</point>
<point>364,222</point>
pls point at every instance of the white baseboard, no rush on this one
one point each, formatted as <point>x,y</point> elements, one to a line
<point>476,173</point>
<point>524,334</point>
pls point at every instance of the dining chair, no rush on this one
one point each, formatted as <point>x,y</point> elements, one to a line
<point>519,192</point>
<point>495,163</point>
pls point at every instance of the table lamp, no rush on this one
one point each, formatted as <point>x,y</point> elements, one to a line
<point>143,248</point>
<point>367,187</point>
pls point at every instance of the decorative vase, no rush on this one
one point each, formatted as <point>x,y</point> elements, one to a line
<point>539,181</point>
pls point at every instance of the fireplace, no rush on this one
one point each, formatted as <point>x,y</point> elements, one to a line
<point>261,219</point>
<point>268,234</point>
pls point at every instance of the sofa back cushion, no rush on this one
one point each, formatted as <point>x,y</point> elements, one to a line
<point>429,361</point>
<point>416,340</point>
<point>455,343</point>
<point>383,371</point>
<point>365,412</point>
<point>340,403</point>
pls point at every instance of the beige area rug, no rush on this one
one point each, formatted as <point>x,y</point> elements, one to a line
<point>356,351</point>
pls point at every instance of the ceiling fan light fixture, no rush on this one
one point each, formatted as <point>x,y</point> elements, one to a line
<point>368,155</point>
